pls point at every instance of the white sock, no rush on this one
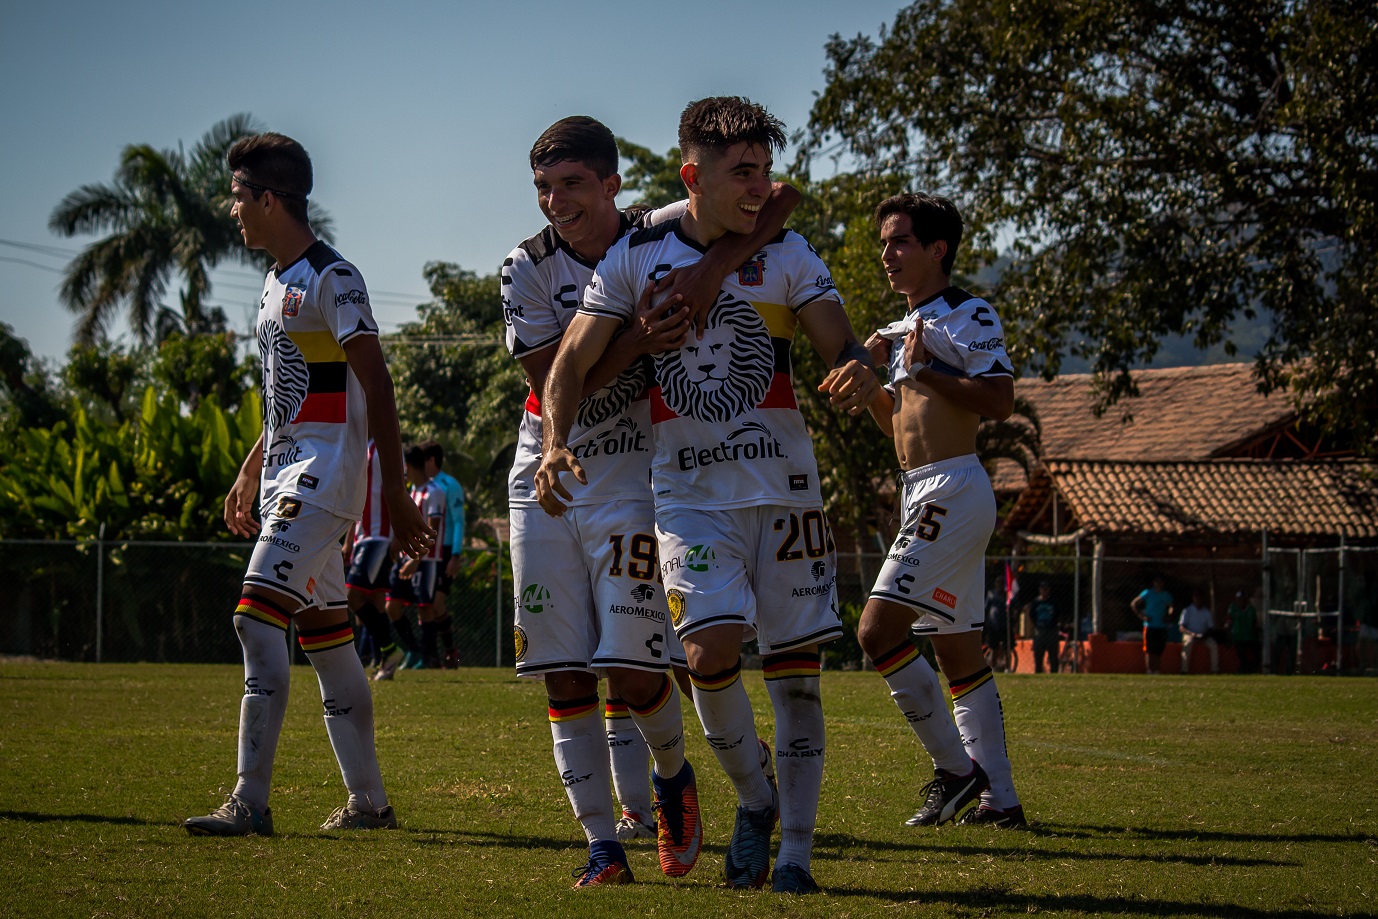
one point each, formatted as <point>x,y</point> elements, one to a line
<point>916,690</point>
<point>981,718</point>
<point>630,760</point>
<point>662,724</point>
<point>581,755</point>
<point>348,712</point>
<point>793,683</point>
<point>730,728</point>
<point>267,672</point>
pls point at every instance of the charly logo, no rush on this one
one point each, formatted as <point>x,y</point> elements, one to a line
<point>567,297</point>
<point>534,598</point>
<point>698,558</point>
<point>643,592</point>
<point>519,639</point>
<point>334,711</point>
<point>675,600</point>
<point>724,374</point>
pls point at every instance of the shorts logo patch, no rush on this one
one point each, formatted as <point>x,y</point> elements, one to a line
<point>675,600</point>
<point>534,598</point>
<point>310,587</point>
<point>945,598</point>
<point>308,481</point>
<point>799,482</point>
<point>288,508</point>
<point>519,639</point>
<point>292,300</point>
<point>699,558</point>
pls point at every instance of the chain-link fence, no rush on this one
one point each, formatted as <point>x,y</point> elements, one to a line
<point>172,601</point>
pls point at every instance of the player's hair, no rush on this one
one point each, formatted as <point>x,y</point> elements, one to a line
<point>278,163</point>
<point>709,126</point>
<point>581,139</point>
<point>415,456</point>
<point>434,451</point>
<point>933,218</point>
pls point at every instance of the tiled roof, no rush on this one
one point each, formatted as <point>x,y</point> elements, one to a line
<point>1166,499</point>
<point>1181,413</point>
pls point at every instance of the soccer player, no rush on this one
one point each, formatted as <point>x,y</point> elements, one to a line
<point>590,598</point>
<point>452,549</point>
<point>370,562</point>
<point>412,581</point>
<point>949,371</point>
<point>325,386</point>
<point>744,546</point>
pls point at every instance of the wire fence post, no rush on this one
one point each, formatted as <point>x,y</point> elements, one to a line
<point>100,592</point>
<point>497,599</point>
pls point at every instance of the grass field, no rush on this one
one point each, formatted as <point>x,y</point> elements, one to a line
<point>1167,796</point>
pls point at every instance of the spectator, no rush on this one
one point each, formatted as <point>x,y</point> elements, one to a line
<point>1154,606</point>
<point>1047,637</point>
<point>1196,625</point>
<point>1242,621</point>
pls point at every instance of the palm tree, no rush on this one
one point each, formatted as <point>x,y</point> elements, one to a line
<point>168,214</point>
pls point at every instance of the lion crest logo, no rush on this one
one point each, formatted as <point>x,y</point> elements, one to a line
<point>285,374</point>
<point>726,373</point>
<point>615,398</point>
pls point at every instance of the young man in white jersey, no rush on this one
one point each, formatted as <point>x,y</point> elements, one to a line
<point>370,555</point>
<point>613,618</point>
<point>744,546</point>
<point>452,554</point>
<point>948,370</point>
<point>325,386</point>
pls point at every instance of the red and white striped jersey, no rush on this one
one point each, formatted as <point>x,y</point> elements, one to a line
<point>374,524</point>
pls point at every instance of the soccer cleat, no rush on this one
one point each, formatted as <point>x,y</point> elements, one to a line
<point>632,825</point>
<point>607,864</point>
<point>947,794</point>
<point>389,665</point>
<point>790,878</point>
<point>348,817</point>
<point>414,661</point>
<point>748,855</point>
<point>679,835</point>
<point>233,818</point>
<point>1008,819</point>
<point>451,659</point>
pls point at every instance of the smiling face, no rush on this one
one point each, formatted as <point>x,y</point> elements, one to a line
<point>913,269</point>
<point>728,189</point>
<point>580,206</point>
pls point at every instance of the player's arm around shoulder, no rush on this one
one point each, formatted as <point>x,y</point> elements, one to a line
<point>365,357</point>
<point>851,385</point>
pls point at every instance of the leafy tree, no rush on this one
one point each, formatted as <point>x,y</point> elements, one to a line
<point>167,214</point>
<point>1164,167</point>
<point>652,178</point>
<point>28,398</point>
<point>456,383</point>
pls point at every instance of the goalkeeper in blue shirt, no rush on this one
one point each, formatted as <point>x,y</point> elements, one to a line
<point>452,541</point>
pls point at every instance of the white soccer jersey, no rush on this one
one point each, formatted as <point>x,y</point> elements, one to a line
<point>962,335</point>
<point>315,424</point>
<point>728,432</point>
<point>430,500</point>
<point>374,522</point>
<point>543,281</point>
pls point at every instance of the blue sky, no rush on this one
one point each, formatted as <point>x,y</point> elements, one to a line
<point>418,117</point>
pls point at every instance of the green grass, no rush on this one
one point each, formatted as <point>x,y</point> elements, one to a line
<point>1167,796</point>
